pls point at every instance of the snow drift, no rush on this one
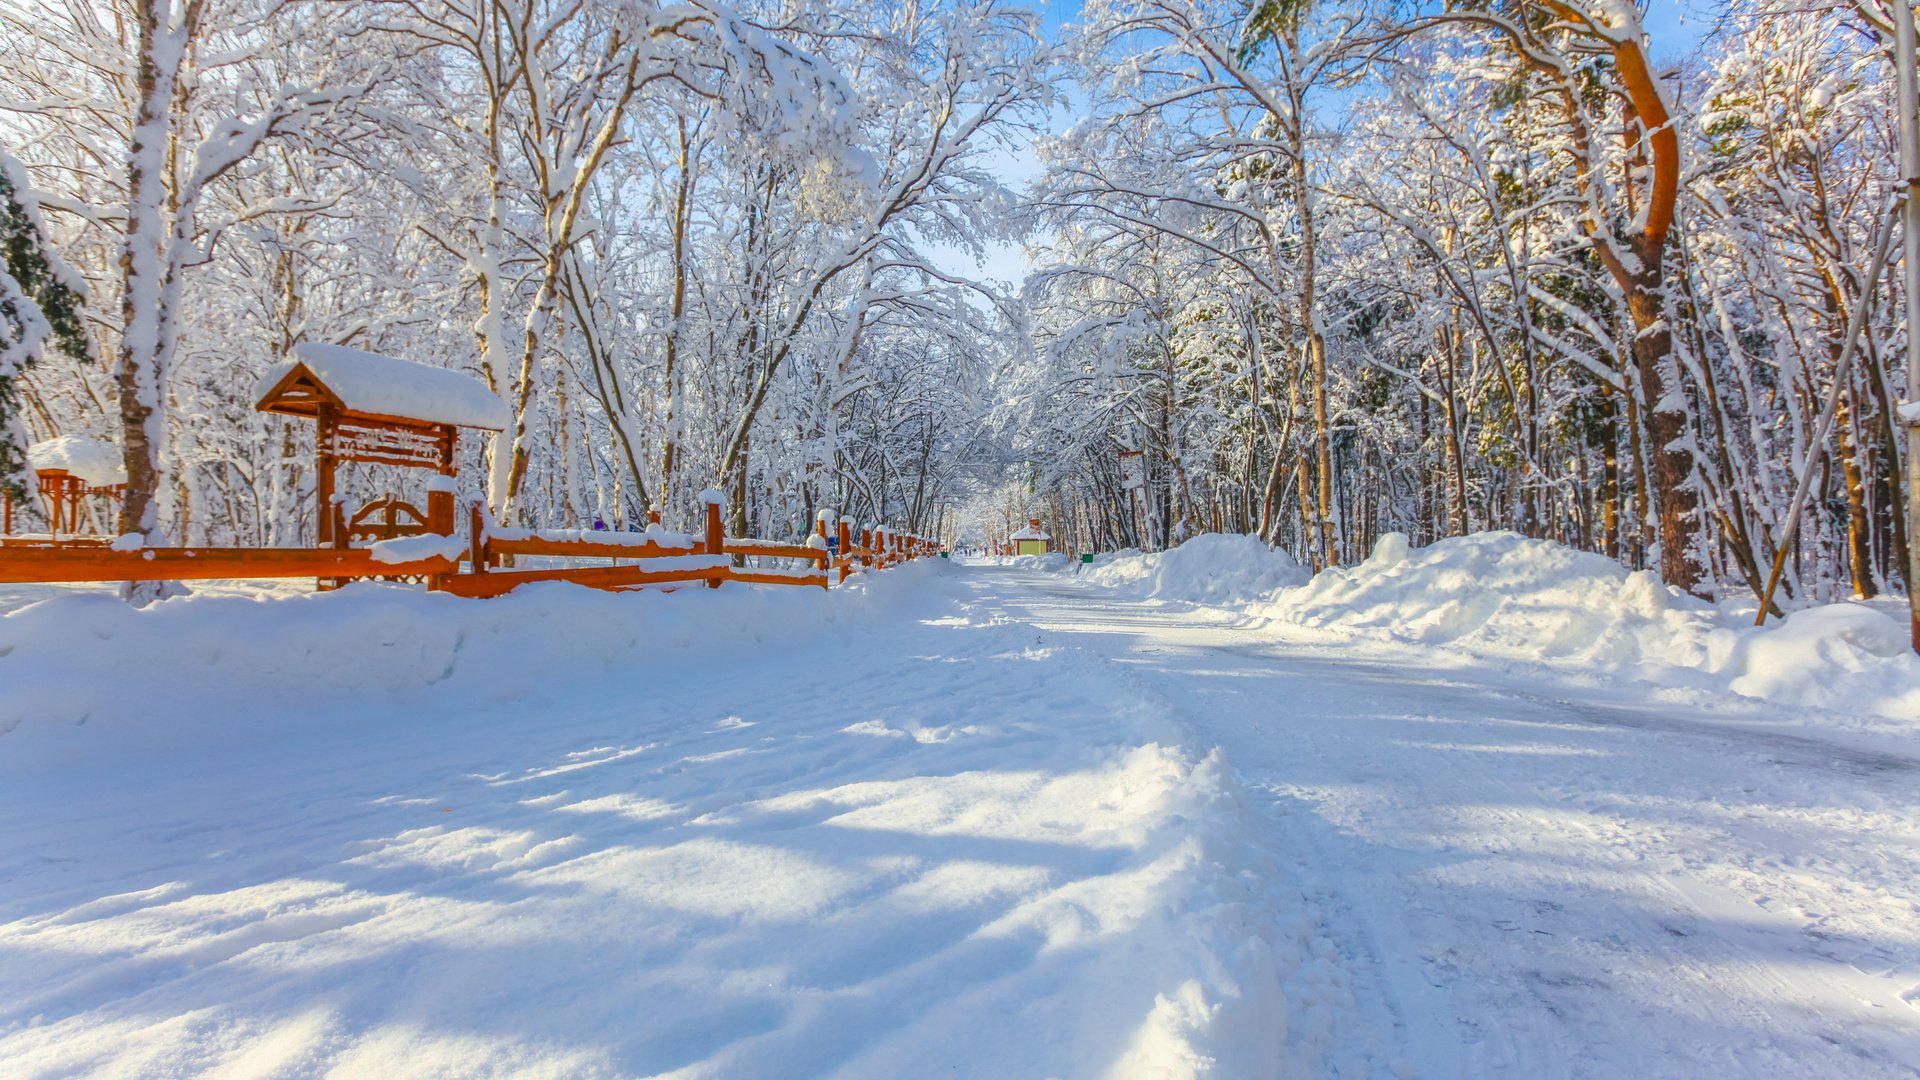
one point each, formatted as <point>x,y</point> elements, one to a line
<point>1215,569</point>
<point>156,673</point>
<point>1504,597</point>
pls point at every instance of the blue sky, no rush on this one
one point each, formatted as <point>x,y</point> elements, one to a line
<point>1679,21</point>
<point>1676,27</point>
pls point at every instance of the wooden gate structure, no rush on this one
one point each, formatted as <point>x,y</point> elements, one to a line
<point>383,410</point>
<point>69,472</point>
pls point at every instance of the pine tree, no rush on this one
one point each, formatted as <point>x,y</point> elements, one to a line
<point>37,307</point>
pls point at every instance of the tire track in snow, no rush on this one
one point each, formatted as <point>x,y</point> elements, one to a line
<point>1670,941</point>
<point>1301,918</point>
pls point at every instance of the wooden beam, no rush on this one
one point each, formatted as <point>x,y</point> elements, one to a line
<point>43,565</point>
<point>812,577</point>
<point>774,549</point>
<point>585,549</point>
<point>500,582</point>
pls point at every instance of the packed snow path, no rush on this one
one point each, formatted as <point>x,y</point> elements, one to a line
<point>1532,886</point>
<point>978,831</point>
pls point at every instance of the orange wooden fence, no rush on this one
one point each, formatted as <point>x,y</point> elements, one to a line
<point>478,566</point>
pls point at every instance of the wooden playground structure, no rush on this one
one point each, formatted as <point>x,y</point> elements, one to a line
<point>382,410</point>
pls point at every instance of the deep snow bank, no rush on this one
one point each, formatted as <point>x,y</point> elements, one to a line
<point>1499,594</point>
<point>161,672</point>
<point>1503,597</point>
<point>1216,569</point>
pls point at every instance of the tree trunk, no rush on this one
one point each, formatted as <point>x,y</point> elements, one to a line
<point>146,320</point>
<point>1665,422</point>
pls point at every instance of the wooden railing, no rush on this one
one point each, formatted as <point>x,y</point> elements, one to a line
<point>489,555</point>
<point>659,557</point>
<point>64,561</point>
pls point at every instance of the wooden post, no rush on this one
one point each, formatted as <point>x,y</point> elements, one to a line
<point>324,466</point>
<point>477,537</point>
<point>440,512</point>
<point>846,548</point>
<point>716,537</point>
<point>50,498</point>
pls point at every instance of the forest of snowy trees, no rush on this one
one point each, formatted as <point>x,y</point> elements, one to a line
<point>1336,269</point>
<point>1474,266</point>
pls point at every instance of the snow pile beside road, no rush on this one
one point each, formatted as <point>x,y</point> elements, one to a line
<point>1499,594</point>
<point>1503,596</point>
<point>1844,657</point>
<point>1215,569</point>
<point>155,673</point>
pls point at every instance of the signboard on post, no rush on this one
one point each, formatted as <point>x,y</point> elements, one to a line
<point>1133,470</point>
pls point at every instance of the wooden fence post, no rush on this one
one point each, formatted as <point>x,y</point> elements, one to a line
<point>477,536</point>
<point>846,548</point>
<point>716,533</point>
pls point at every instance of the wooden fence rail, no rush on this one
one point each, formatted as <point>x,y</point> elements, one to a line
<point>653,557</point>
<point>60,562</point>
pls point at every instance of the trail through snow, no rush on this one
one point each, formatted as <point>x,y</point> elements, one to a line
<point>987,833</point>
<point>1528,885</point>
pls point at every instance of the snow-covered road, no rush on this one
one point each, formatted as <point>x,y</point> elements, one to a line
<point>978,830</point>
<point>1523,884</point>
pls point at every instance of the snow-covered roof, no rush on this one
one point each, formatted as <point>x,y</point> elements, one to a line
<point>95,461</point>
<point>1029,533</point>
<point>377,385</point>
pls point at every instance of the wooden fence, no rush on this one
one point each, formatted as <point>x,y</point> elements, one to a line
<point>486,561</point>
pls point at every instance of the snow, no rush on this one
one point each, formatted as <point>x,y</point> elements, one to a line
<point>653,535</point>
<point>973,818</point>
<point>95,461</point>
<point>808,574</point>
<point>1212,568</point>
<point>368,382</point>
<point>406,549</point>
<point>1498,598</point>
<point>1029,533</point>
<point>378,831</point>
